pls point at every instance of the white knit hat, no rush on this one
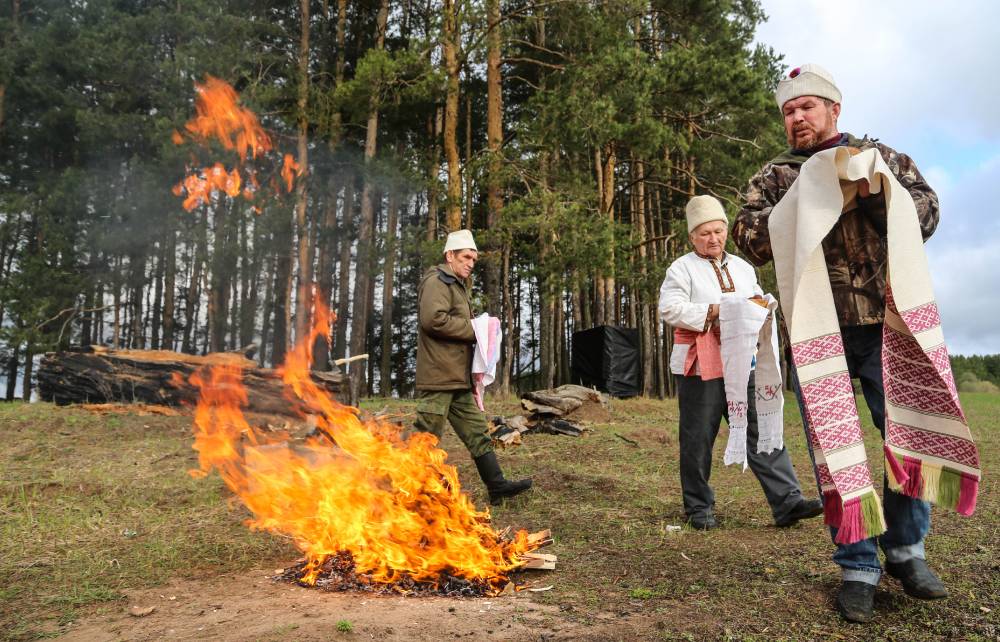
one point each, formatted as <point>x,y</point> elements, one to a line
<point>460,240</point>
<point>807,80</point>
<point>702,209</point>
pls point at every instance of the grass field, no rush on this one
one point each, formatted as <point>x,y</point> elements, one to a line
<point>92,506</point>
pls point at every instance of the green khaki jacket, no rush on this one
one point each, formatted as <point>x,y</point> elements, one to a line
<point>855,249</point>
<point>445,338</point>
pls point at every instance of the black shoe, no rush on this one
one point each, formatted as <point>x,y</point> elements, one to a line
<point>856,601</point>
<point>498,487</point>
<point>918,579</point>
<point>705,523</point>
<point>805,509</point>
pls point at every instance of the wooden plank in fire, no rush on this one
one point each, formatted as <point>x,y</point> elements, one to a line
<point>540,561</point>
<point>540,538</point>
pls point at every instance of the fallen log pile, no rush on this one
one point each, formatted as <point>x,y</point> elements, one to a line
<point>101,375</point>
<point>555,411</point>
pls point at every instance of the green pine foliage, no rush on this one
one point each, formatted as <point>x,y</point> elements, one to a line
<point>670,96</point>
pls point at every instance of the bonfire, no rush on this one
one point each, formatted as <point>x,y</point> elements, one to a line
<point>368,506</point>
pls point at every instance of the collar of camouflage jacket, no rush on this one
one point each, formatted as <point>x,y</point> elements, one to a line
<point>799,156</point>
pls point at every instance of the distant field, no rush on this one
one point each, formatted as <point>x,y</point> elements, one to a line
<point>94,508</point>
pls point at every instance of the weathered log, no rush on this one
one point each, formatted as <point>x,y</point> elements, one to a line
<point>546,398</point>
<point>540,409</point>
<point>159,377</point>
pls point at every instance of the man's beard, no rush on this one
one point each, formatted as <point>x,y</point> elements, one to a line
<point>815,138</point>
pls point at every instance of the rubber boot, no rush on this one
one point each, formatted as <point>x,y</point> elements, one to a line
<point>498,487</point>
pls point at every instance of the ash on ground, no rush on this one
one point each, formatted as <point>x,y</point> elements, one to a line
<point>338,574</point>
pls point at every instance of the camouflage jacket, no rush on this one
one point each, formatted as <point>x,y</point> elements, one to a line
<point>855,248</point>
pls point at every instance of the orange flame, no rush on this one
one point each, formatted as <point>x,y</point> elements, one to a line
<point>290,170</point>
<point>220,117</point>
<point>393,503</point>
<point>201,186</point>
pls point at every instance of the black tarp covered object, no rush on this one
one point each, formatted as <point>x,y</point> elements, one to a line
<point>607,357</point>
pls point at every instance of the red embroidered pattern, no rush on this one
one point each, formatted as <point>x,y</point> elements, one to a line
<point>722,283</point>
<point>922,318</point>
<point>813,350</point>
<point>932,443</point>
<point>852,478</point>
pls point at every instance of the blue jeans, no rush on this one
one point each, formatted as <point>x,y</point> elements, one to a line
<point>907,519</point>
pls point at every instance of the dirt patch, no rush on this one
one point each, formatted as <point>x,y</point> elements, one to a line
<point>251,606</point>
<point>648,437</point>
<point>589,412</point>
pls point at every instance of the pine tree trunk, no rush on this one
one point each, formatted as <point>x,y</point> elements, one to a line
<point>29,366</point>
<point>326,265</point>
<point>218,291</point>
<point>265,330</point>
<point>304,294</point>
<point>282,291</point>
<point>169,285</point>
<point>495,255</point>
<point>434,161</point>
<point>600,314</point>
<point>364,264</point>
<point>13,365</point>
<point>116,333</point>
<point>450,44</point>
<point>327,238</point>
<point>194,288</point>
<point>511,343</point>
<point>610,289</point>
<point>388,272</point>
<point>157,308</point>
<point>344,272</point>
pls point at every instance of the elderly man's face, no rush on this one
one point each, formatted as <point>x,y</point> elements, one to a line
<point>709,239</point>
<point>461,262</point>
<point>809,121</point>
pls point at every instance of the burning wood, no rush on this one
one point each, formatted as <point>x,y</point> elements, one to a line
<point>157,377</point>
<point>339,573</point>
<point>367,507</point>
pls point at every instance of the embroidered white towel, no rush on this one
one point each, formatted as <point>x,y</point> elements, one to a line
<point>748,329</point>
<point>485,356</point>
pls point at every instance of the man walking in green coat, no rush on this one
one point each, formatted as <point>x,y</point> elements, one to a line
<point>445,341</point>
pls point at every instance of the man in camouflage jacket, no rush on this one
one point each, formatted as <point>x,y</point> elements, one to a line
<point>855,252</point>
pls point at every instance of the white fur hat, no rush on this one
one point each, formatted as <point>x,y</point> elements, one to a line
<point>702,209</point>
<point>807,80</point>
<point>460,240</point>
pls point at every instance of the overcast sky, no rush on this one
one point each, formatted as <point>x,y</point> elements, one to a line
<point>921,77</point>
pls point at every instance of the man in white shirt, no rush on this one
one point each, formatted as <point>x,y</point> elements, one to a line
<point>689,301</point>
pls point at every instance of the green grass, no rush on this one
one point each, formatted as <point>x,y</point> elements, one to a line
<point>91,506</point>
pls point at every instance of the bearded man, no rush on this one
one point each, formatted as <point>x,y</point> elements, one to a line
<point>854,240</point>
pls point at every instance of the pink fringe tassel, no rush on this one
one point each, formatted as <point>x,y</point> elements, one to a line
<point>833,508</point>
<point>967,496</point>
<point>914,485</point>
<point>852,527</point>
<point>897,470</point>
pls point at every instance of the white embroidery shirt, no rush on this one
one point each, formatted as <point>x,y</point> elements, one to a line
<point>692,284</point>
